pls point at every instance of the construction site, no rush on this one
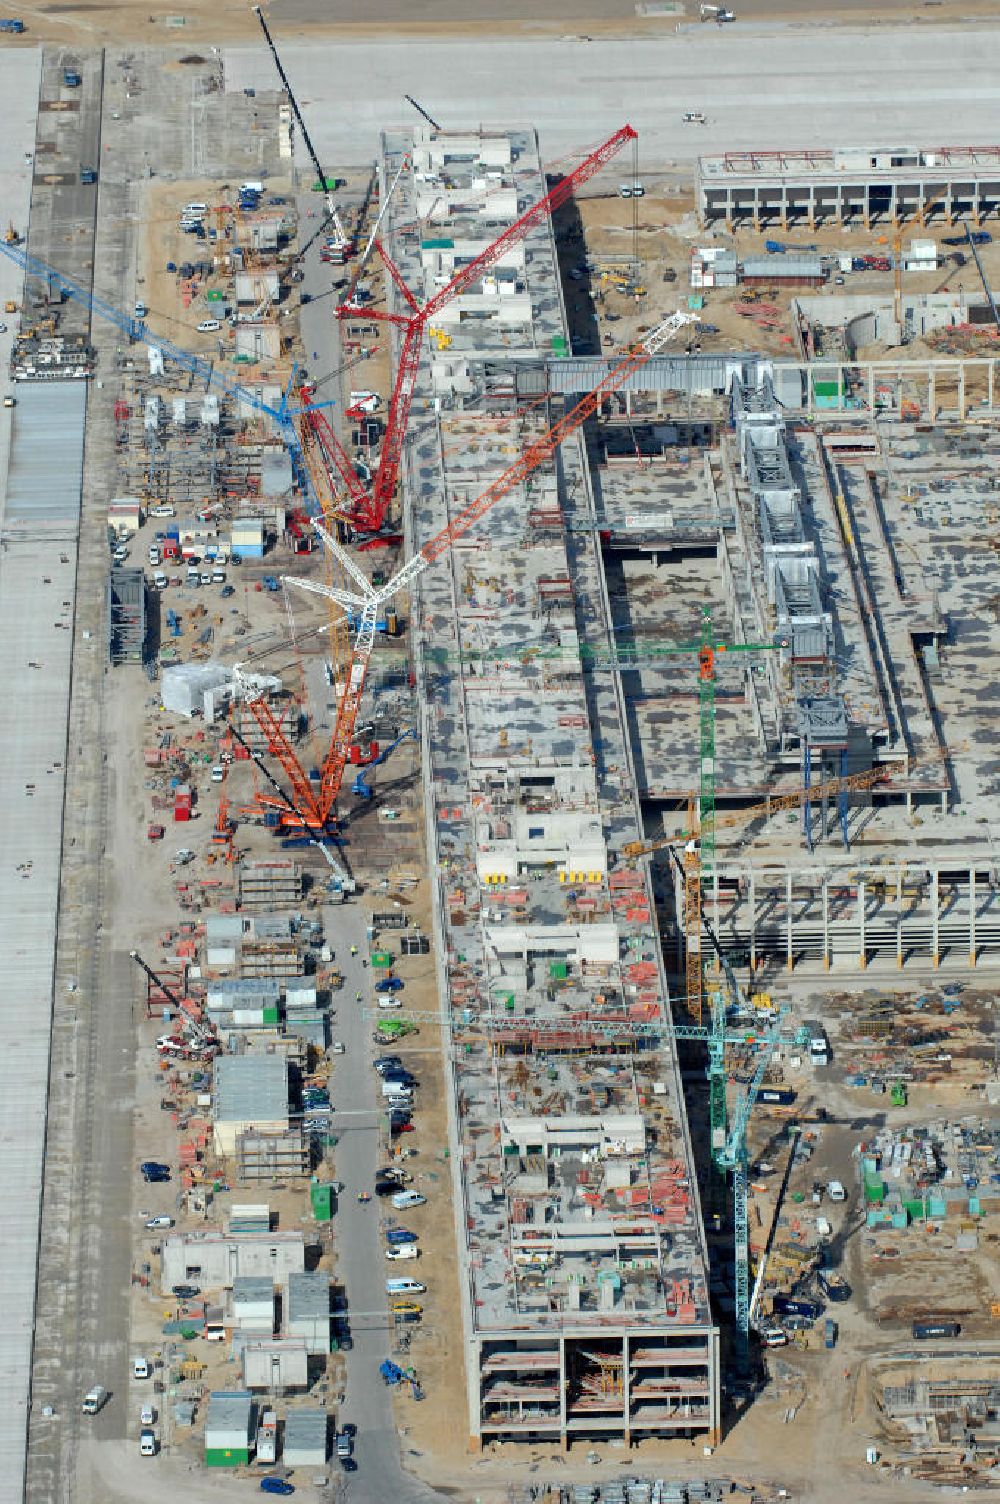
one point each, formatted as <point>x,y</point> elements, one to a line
<point>503,880</point>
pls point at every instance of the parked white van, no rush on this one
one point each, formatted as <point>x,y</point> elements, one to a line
<point>403,1199</point>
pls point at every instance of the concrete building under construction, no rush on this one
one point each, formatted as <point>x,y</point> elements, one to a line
<point>850,185</point>
<point>584,1280</point>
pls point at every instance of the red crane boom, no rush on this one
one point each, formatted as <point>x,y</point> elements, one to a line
<point>409,357</point>
<point>536,454</point>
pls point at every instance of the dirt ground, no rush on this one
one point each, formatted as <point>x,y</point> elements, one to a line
<point>114,22</point>
<point>662,235</point>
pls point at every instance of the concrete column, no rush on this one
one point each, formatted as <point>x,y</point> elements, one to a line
<point>862,945</point>
<point>752,900</point>
<point>972,916</point>
<point>935,918</point>
<point>474,1380</point>
<point>715,1419</point>
<point>990,386</point>
<point>931,393</point>
<point>825,899</point>
<point>961,390</point>
<point>871,388</point>
<point>789,951</point>
<point>626,1387</point>
<point>899,918</point>
<point>563,1387</point>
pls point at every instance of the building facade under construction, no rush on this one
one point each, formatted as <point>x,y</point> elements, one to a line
<point>583,1265</point>
<point>860,185</point>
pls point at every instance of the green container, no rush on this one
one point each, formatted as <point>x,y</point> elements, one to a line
<point>825,388</point>
<point>559,346</point>
<point>227,1456</point>
<point>874,1188</point>
<point>558,971</point>
<point>321,1198</point>
<point>270,1015</point>
<point>437,245</point>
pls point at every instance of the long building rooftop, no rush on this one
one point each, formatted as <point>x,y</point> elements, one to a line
<point>892,161</point>
<point>577,1189</point>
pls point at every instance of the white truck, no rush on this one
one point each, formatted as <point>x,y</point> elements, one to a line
<point>267,1437</point>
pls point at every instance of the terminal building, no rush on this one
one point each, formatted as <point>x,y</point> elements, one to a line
<point>856,185</point>
<point>583,1262</point>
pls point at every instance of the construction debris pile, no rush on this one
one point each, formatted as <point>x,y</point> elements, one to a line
<point>944,1426</point>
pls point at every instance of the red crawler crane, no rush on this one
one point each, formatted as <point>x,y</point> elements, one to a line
<point>416,322</point>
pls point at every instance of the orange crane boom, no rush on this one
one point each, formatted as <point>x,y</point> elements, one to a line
<point>369,601</point>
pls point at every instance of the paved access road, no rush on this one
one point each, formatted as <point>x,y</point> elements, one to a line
<point>762,87</point>
<point>362,1268</point>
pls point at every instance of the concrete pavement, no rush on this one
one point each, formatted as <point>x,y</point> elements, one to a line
<point>761,87</point>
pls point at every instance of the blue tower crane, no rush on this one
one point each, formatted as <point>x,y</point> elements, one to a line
<point>734,1158</point>
<point>136,329</point>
